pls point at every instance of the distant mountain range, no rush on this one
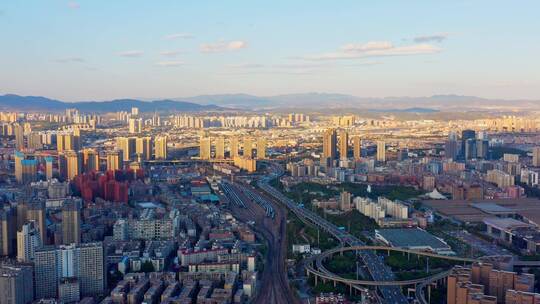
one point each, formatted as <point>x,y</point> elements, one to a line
<point>338,101</point>
<point>317,102</point>
<point>11,102</point>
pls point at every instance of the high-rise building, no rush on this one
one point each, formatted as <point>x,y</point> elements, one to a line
<point>261,148</point>
<point>29,170</point>
<point>343,144</point>
<point>46,272</point>
<point>451,149</point>
<point>330,145</point>
<point>66,142</point>
<point>220,148</point>
<point>381,151</point>
<point>345,199</point>
<point>34,141</point>
<point>49,167</point>
<point>25,169</point>
<point>500,178</point>
<point>35,212</point>
<point>233,147</point>
<point>74,164</point>
<point>62,165</point>
<point>90,160</point>
<point>357,148</point>
<point>143,147</point>
<point>128,145</point>
<point>18,129</point>
<point>69,290</point>
<point>248,147</point>
<point>470,148</point>
<point>135,125</point>
<point>16,283</point>
<point>134,111</point>
<point>536,157</point>
<point>84,262</point>
<point>482,147</point>
<point>71,222</point>
<point>161,147</point>
<point>28,240</point>
<point>115,160</point>
<point>205,147</point>
<point>8,231</point>
<point>481,283</point>
<point>246,163</point>
<point>466,135</point>
<point>18,156</point>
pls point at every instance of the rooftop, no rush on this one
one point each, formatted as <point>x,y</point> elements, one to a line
<point>413,238</point>
<point>506,223</point>
<point>493,208</point>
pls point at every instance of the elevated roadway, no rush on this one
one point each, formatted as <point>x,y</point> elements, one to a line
<point>377,269</point>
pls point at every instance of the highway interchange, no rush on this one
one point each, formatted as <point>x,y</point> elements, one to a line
<point>264,205</point>
<point>378,270</point>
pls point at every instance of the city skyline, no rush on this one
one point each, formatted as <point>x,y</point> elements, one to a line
<point>284,152</point>
<point>99,50</point>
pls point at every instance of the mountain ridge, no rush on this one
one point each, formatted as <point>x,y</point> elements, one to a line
<point>13,102</point>
<point>247,102</point>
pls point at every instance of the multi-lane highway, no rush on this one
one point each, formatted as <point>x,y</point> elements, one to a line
<point>270,224</point>
<point>378,270</point>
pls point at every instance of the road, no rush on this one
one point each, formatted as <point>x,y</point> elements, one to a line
<point>378,270</point>
<point>274,281</point>
<point>479,244</point>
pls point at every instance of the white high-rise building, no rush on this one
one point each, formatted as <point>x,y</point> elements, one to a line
<point>394,208</point>
<point>85,262</point>
<point>28,240</point>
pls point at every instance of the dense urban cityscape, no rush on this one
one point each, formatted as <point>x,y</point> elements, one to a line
<point>147,207</point>
<point>269,152</point>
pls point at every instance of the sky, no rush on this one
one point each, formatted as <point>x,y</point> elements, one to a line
<point>102,49</point>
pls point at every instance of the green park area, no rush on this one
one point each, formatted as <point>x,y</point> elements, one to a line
<point>306,192</point>
<point>299,232</point>
<point>409,267</point>
<point>353,221</point>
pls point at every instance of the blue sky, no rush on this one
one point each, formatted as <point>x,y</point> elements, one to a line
<point>97,49</point>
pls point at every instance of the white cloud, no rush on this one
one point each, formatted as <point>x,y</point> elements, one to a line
<point>69,59</point>
<point>223,46</point>
<point>431,38</point>
<point>73,5</point>
<point>132,53</point>
<point>169,63</point>
<point>172,53</point>
<point>246,65</point>
<point>367,47</point>
<point>375,49</point>
<point>178,36</point>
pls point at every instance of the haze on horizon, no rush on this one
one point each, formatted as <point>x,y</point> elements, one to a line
<point>98,50</point>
